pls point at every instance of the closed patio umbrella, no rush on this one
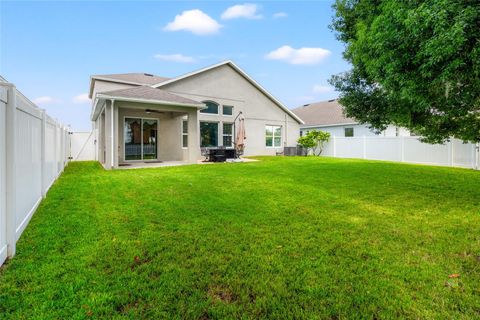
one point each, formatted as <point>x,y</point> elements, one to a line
<point>240,139</point>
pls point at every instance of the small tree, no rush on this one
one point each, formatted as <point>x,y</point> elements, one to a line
<point>306,142</point>
<point>314,141</point>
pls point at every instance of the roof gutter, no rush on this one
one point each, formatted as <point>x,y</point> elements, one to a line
<point>149,101</point>
<point>329,125</point>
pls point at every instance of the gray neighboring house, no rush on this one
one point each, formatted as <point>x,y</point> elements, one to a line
<point>140,117</point>
<point>328,116</point>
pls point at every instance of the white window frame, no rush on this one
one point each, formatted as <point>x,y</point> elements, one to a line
<point>212,114</point>
<point>273,136</point>
<point>228,115</point>
<point>183,133</point>
<point>345,132</point>
<point>200,132</point>
<point>227,135</point>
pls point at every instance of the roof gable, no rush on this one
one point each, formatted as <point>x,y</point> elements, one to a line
<point>136,79</point>
<point>243,74</point>
<point>133,78</point>
<point>147,93</point>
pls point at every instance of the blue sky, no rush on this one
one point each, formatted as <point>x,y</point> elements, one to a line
<point>50,49</point>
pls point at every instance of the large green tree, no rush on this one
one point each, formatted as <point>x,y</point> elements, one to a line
<point>416,64</point>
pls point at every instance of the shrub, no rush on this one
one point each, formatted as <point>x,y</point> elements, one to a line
<point>314,141</point>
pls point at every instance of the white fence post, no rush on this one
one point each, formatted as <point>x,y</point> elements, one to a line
<point>55,158</point>
<point>450,153</point>
<point>43,146</point>
<point>402,149</point>
<point>476,160</point>
<point>475,156</point>
<point>62,143</point>
<point>364,147</point>
<point>334,146</point>
<point>11,152</point>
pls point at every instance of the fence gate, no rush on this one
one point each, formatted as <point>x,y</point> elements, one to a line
<point>82,146</point>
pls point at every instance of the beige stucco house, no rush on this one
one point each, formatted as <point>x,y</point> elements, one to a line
<point>142,117</point>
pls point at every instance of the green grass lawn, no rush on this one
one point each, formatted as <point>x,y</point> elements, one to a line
<point>280,238</point>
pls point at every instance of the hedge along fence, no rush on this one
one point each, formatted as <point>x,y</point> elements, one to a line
<point>34,149</point>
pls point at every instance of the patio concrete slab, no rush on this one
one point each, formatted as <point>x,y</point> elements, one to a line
<point>160,164</point>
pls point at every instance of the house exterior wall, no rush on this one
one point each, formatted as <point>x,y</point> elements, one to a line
<point>169,139</point>
<point>359,130</point>
<point>225,86</point>
<point>222,85</point>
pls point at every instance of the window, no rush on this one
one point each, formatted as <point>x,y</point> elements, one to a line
<point>185,133</point>
<point>212,107</point>
<point>208,134</point>
<point>227,110</point>
<point>273,136</point>
<point>348,132</point>
<point>227,135</point>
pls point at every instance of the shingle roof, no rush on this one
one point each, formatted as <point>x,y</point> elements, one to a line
<point>138,78</point>
<point>322,113</point>
<point>149,93</point>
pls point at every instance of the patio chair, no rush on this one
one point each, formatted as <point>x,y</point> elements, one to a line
<point>205,152</point>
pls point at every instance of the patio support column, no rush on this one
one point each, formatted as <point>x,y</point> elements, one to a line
<point>193,137</point>
<point>115,133</point>
<point>108,135</point>
<point>101,138</point>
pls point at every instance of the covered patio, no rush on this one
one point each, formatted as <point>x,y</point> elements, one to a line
<point>144,125</point>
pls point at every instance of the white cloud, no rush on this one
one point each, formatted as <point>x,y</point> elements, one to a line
<point>177,57</point>
<point>318,88</point>
<point>44,100</point>
<point>247,11</point>
<point>81,98</point>
<point>280,15</point>
<point>307,56</point>
<point>195,21</point>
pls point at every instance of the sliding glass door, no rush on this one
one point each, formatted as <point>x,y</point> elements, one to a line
<point>149,139</point>
<point>140,139</point>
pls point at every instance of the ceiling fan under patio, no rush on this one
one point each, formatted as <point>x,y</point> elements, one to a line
<point>150,111</point>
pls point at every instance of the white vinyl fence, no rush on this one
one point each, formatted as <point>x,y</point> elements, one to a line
<point>404,149</point>
<point>34,149</point>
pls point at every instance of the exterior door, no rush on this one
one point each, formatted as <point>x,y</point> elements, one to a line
<point>140,139</point>
<point>149,135</point>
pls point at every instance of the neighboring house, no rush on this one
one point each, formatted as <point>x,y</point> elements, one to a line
<point>142,117</point>
<point>328,116</point>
